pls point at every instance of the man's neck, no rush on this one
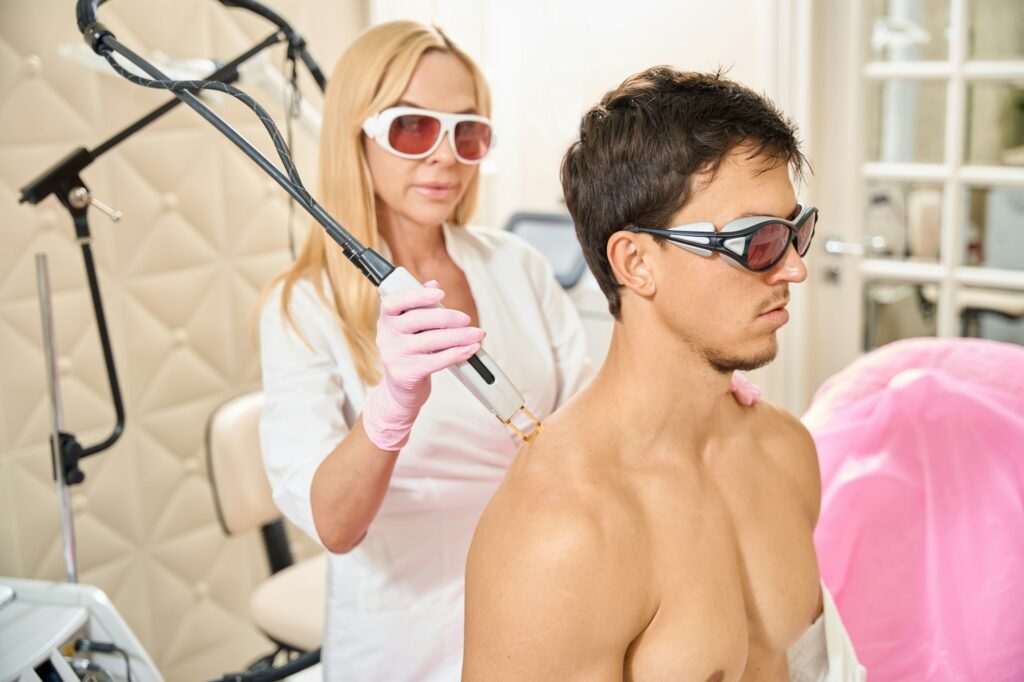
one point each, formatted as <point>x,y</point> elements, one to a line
<point>659,391</point>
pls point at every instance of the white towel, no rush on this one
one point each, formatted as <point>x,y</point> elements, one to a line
<point>825,653</point>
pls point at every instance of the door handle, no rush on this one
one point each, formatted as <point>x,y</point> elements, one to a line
<point>876,244</point>
<point>840,248</point>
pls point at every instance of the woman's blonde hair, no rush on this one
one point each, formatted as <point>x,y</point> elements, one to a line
<point>370,76</point>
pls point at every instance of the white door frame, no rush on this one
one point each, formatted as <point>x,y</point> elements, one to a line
<point>786,63</point>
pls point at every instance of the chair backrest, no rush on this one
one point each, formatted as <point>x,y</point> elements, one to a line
<point>554,235</point>
<point>241,492</point>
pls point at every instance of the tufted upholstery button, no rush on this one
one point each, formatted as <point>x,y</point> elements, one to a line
<point>202,590</point>
<point>192,466</point>
<point>32,65</point>
<point>65,364</point>
<point>180,336</point>
<point>169,200</point>
<point>78,503</point>
<point>271,188</point>
<point>47,219</point>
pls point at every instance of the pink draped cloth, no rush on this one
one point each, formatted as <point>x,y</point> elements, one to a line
<point>921,534</point>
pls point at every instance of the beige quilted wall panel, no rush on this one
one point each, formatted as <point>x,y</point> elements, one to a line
<point>203,229</point>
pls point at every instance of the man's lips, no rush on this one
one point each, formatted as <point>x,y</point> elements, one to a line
<point>777,314</point>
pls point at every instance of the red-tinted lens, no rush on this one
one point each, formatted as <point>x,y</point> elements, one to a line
<point>472,139</point>
<point>413,133</point>
<point>803,237</point>
<point>767,245</point>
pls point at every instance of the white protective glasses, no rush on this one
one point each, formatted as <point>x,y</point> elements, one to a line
<point>413,133</point>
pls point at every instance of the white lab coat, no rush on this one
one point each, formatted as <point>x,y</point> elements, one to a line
<point>395,603</point>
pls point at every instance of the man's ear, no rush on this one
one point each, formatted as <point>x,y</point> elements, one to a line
<point>628,255</point>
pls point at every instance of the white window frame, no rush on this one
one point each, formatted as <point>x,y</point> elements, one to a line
<point>958,73</point>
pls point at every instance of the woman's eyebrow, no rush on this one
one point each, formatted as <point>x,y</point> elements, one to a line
<point>407,103</point>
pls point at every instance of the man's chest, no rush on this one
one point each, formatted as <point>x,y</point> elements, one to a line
<point>738,584</point>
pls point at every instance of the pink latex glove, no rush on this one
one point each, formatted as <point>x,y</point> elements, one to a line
<point>746,393</point>
<point>415,339</point>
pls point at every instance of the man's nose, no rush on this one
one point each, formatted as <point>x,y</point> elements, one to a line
<point>790,269</point>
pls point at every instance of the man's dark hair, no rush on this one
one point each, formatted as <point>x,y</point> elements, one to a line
<point>642,145</point>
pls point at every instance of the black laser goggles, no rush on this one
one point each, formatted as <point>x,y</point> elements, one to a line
<point>757,243</point>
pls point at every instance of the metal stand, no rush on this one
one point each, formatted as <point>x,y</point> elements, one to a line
<point>63,181</point>
<point>56,416</point>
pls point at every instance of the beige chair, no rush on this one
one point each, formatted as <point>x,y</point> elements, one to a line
<point>288,607</point>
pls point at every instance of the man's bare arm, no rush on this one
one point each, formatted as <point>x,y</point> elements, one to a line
<point>801,462</point>
<point>786,438</point>
<point>807,469</point>
<point>550,595</point>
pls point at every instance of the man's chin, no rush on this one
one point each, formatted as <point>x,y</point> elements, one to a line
<point>745,362</point>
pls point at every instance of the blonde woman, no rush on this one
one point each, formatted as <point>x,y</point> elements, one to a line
<point>347,374</point>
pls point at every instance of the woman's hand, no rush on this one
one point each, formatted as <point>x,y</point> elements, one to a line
<point>415,339</point>
<point>746,393</point>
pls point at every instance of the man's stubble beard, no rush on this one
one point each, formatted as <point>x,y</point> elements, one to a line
<point>726,364</point>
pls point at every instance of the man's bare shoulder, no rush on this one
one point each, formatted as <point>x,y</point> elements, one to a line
<point>566,466</point>
<point>556,581</point>
<point>560,496</point>
<point>783,438</point>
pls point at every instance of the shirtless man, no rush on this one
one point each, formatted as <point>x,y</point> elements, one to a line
<point>657,530</point>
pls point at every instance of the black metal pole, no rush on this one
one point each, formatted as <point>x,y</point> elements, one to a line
<point>108,354</point>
